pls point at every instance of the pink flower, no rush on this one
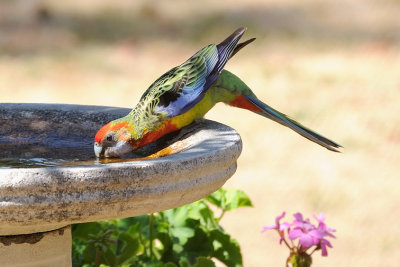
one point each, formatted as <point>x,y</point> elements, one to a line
<point>323,244</point>
<point>307,234</point>
<point>324,231</point>
<point>306,238</point>
<point>310,235</point>
<point>280,227</point>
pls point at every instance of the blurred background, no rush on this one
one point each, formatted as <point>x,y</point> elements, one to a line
<point>333,65</point>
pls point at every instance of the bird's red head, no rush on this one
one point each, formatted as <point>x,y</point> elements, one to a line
<point>113,139</point>
<point>102,133</point>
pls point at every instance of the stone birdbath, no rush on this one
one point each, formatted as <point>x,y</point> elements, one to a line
<point>49,178</point>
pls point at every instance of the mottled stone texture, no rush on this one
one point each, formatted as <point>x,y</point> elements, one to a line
<point>42,199</point>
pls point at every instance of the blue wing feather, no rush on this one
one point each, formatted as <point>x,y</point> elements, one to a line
<point>184,86</point>
<point>196,70</point>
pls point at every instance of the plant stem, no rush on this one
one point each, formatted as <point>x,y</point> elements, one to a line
<point>287,244</point>
<point>288,261</point>
<point>151,221</point>
<point>291,241</point>
<point>222,215</point>
<point>313,250</point>
<point>97,259</point>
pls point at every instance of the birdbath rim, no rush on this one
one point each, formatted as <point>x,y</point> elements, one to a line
<point>47,198</point>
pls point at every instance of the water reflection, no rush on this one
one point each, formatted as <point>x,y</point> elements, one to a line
<point>6,163</point>
<point>36,157</point>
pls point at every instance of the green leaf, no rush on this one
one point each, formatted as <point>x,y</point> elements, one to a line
<point>182,233</point>
<point>216,198</point>
<point>236,199</point>
<point>129,249</point>
<point>226,248</point>
<point>189,236</point>
<point>83,230</point>
<point>207,218</point>
<point>183,262</point>
<point>165,240</point>
<point>204,262</point>
<point>177,216</point>
<point>177,248</point>
<point>199,245</point>
<point>167,252</point>
<point>78,246</point>
<point>229,199</point>
<point>134,230</point>
<point>89,254</point>
<point>141,222</point>
<point>109,257</point>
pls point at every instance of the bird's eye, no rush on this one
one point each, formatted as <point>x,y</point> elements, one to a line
<point>109,138</point>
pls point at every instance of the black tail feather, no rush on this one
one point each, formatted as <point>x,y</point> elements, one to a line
<point>241,45</point>
<point>227,47</point>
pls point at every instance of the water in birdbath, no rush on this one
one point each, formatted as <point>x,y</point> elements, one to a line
<point>33,152</point>
<point>48,135</point>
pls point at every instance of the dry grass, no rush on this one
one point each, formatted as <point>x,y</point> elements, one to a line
<point>333,66</point>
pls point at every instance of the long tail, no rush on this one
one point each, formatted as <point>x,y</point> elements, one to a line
<point>234,92</point>
<point>283,119</point>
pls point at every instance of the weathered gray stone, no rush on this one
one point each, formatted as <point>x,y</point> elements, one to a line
<point>42,199</point>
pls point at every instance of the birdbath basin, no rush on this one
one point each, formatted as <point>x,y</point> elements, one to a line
<point>49,178</point>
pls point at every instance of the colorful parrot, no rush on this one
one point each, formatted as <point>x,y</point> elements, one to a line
<point>186,93</point>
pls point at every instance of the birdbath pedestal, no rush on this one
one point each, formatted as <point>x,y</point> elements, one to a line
<point>39,203</point>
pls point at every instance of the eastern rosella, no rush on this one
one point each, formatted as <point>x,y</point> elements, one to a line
<point>186,93</point>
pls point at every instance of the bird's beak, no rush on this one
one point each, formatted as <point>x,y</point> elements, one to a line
<point>98,150</point>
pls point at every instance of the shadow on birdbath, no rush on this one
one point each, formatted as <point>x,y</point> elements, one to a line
<point>31,139</point>
<point>49,177</point>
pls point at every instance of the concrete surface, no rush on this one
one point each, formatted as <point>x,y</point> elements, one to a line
<point>48,249</point>
<point>43,199</point>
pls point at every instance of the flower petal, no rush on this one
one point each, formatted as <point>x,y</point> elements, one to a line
<point>329,234</point>
<point>298,216</point>
<point>324,243</point>
<point>294,233</point>
<point>305,241</point>
<point>278,218</point>
<point>320,218</point>
<point>284,226</point>
<point>268,227</point>
<point>324,250</point>
<point>316,236</point>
